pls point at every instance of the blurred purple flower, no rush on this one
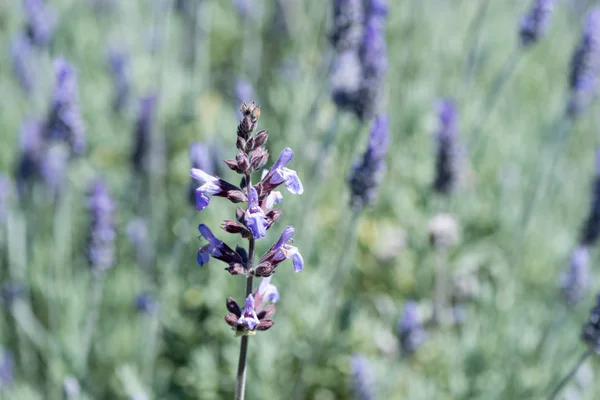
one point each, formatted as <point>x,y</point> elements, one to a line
<point>574,281</point>
<point>411,332</point>
<point>244,93</point>
<point>7,369</point>
<point>118,63</point>
<point>71,388</point>
<point>348,17</point>
<point>41,22</point>
<point>447,151</point>
<point>591,228</point>
<point>346,78</point>
<point>137,233</point>
<point>363,380</point>
<point>591,330</point>
<point>249,9</point>
<point>21,53</point>
<point>101,236</point>
<point>31,150</point>
<point>535,23</point>
<point>53,168</point>
<point>366,175</point>
<point>585,65</point>
<point>10,291</point>
<point>143,133</point>
<point>64,120</point>
<point>145,303</point>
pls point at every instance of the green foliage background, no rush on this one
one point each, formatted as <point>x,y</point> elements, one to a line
<point>186,351</point>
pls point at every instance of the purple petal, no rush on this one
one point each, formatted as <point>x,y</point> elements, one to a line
<point>203,256</point>
<point>292,182</point>
<point>257,224</point>
<point>298,262</point>
<point>285,237</point>
<point>202,200</point>
<point>284,158</point>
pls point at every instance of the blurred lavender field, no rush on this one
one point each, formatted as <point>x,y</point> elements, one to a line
<point>448,223</point>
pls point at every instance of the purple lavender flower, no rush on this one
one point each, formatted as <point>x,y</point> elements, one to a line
<point>256,315</point>
<point>591,330</point>
<point>363,380</point>
<point>248,317</point>
<point>118,63</point>
<point>279,174</point>
<point>64,120</point>
<point>374,60</point>
<point>41,22</point>
<point>53,168</point>
<point>214,186</point>
<point>366,176</point>
<point>145,303</point>
<point>101,248</point>
<point>21,53</point>
<point>255,216</point>
<point>575,280</point>
<point>585,65</point>
<point>411,332</point>
<point>143,133</point>
<point>348,16</point>
<point>591,228</point>
<point>279,252</point>
<point>535,23</point>
<point>268,291</point>
<point>7,369</point>
<point>32,147</point>
<point>446,160</point>
<point>219,250</point>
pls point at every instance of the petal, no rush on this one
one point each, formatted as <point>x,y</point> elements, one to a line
<point>298,262</point>
<point>202,176</point>
<point>268,291</point>
<point>202,201</point>
<point>292,182</point>
<point>203,256</point>
<point>284,158</point>
<point>252,198</point>
<point>257,224</point>
<point>273,198</point>
<point>285,237</point>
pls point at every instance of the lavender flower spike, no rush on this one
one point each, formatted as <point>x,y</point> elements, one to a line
<point>64,121</point>
<point>363,380</point>
<point>101,249</point>
<point>249,318</point>
<point>591,229</point>
<point>366,176</point>
<point>348,18</point>
<point>585,65</point>
<point>21,54</point>
<point>118,64</point>
<point>575,280</point>
<point>255,217</point>
<point>143,133</point>
<point>411,332</point>
<point>535,23</point>
<point>446,161</point>
<point>41,22</point>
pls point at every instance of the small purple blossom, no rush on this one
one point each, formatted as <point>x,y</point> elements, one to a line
<point>249,318</point>
<point>279,174</point>
<point>575,280</point>
<point>118,63</point>
<point>145,303</point>
<point>410,330</point>
<point>143,133</point>
<point>447,152</point>
<point>366,175</point>
<point>281,251</point>
<point>585,65</point>
<point>268,291</point>
<point>255,216</point>
<point>64,120</point>
<point>363,380</point>
<point>21,53</point>
<point>210,186</point>
<point>101,249</point>
<point>41,22</point>
<point>591,228</point>
<point>53,168</point>
<point>535,23</point>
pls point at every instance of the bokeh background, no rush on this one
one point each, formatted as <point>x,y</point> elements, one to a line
<point>151,326</point>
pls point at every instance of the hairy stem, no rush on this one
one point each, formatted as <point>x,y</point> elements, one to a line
<point>570,375</point>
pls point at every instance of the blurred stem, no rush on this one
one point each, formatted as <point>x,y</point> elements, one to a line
<point>92,318</point>
<point>473,36</point>
<point>552,327</point>
<point>478,138</point>
<point>570,375</point>
<point>441,293</point>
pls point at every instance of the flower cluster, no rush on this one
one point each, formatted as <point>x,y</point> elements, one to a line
<point>41,22</point>
<point>252,222</point>
<point>410,329</point>
<point>535,23</point>
<point>361,59</point>
<point>101,236</point>
<point>585,65</point>
<point>366,176</point>
<point>447,151</point>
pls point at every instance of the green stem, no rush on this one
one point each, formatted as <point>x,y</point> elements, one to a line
<point>570,375</point>
<point>440,292</point>
<point>473,36</point>
<point>92,320</point>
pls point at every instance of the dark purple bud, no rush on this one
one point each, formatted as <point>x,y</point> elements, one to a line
<point>145,303</point>
<point>447,148</point>
<point>40,22</point>
<point>101,236</point>
<point>249,145</point>
<point>374,61</point>
<point>591,330</point>
<point>535,23</point>
<point>264,269</point>
<point>240,143</point>
<point>574,281</point>
<point>366,175</point>
<point>233,307</point>
<point>64,120</point>
<point>32,147</point>
<point>143,133</point>
<point>233,165</point>
<point>585,65</point>
<point>260,156</point>
<point>348,16</point>
<point>242,162</point>
<point>21,54</point>
<point>591,228</point>
<point>363,380</point>
<point>250,114</point>
<point>265,325</point>
<point>118,63</point>
<point>234,227</point>
<point>260,139</point>
<point>410,330</point>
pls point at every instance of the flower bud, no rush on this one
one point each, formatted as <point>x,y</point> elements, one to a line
<point>260,138</point>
